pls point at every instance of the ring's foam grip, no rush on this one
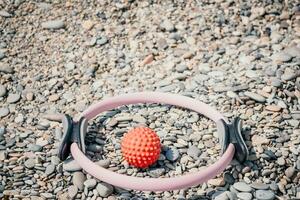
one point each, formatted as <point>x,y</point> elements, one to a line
<point>232,133</point>
<point>72,132</point>
<point>64,147</point>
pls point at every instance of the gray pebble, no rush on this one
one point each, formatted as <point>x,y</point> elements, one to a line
<point>34,147</point>
<point>242,186</point>
<point>259,186</point>
<point>264,195</point>
<point>194,152</point>
<point>5,68</point>
<point>71,166</point>
<point>13,98</point>
<point>50,169</point>
<point>172,154</point>
<point>104,189</point>
<point>167,25</point>
<point>289,172</point>
<point>244,196</point>
<point>29,163</point>
<point>3,91</point>
<point>78,180</point>
<point>90,183</point>
<point>281,57</point>
<point>53,24</point>
<point>103,163</point>
<point>102,40</point>
<point>157,172</point>
<point>72,191</point>
<point>181,68</point>
<point>255,97</point>
<point>4,111</point>
<point>2,55</point>
<point>4,13</point>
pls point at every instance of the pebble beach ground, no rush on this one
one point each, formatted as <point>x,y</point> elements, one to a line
<point>240,57</point>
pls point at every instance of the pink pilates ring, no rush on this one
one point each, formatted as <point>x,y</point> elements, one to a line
<point>230,138</point>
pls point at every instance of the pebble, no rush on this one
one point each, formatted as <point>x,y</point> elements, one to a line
<point>3,90</point>
<point>53,24</point>
<point>244,196</point>
<point>264,195</point>
<point>273,108</point>
<point>194,152</point>
<point>2,55</point>
<point>78,180</point>
<point>104,189</point>
<point>157,172</point>
<point>50,169</point>
<point>103,163</point>
<point>90,183</point>
<point>281,57</point>
<point>147,60</point>
<point>4,112</point>
<point>242,186</point>
<point>71,166</point>
<point>219,182</point>
<point>6,68</point>
<point>289,172</point>
<point>13,98</point>
<point>259,186</point>
<point>4,13</point>
<point>172,154</point>
<point>255,97</point>
<point>30,163</point>
<point>167,25</point>
<point>72,191</point>
<point>102,40</point>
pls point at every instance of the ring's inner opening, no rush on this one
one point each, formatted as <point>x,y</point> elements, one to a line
<point>189,140</point>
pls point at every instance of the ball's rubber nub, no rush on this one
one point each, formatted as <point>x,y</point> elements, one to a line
<point>141,147</point>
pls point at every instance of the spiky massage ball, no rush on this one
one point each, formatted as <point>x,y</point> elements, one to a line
<point>140,147</point>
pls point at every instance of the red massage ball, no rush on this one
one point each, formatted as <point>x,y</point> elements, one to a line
<point>140,147</point>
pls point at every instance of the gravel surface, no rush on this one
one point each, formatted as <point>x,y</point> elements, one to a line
<point>241,57</point>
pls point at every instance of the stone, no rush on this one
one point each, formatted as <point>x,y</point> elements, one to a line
<point>90,183</point>
<point>244,196</point>
<point>2,55</point>
<point>242,187</point>
<point>156,172</point>
<point>259,186</point>
<point>104,189</point>
<point>264,195</point>
<point>281,57</point>
<point>13,97</point>
<point>78,179</point>
<point>167,25</point>
<point>259,140</point>
<point>50,169</point>
<point>255,97</point>
<point>72,191</point>
<point>289,172</point>
<point>5,68</point>
<point>30,163</point>
<point>194,152</point>
<point>71,166</point>
<point>147,60</point>
<point>172,154</point>
<point>273,108</point>
<point>103,163</point>
<point>53,24</point>
<point>34,147</point>
<point>88,25</point>
<point>3,91</point>
<point>219,182</point>
<point>4,112</point>
<point>181,68</point>
<point>2,155</point>
<point>4,13</point>
<point>102,40</point>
